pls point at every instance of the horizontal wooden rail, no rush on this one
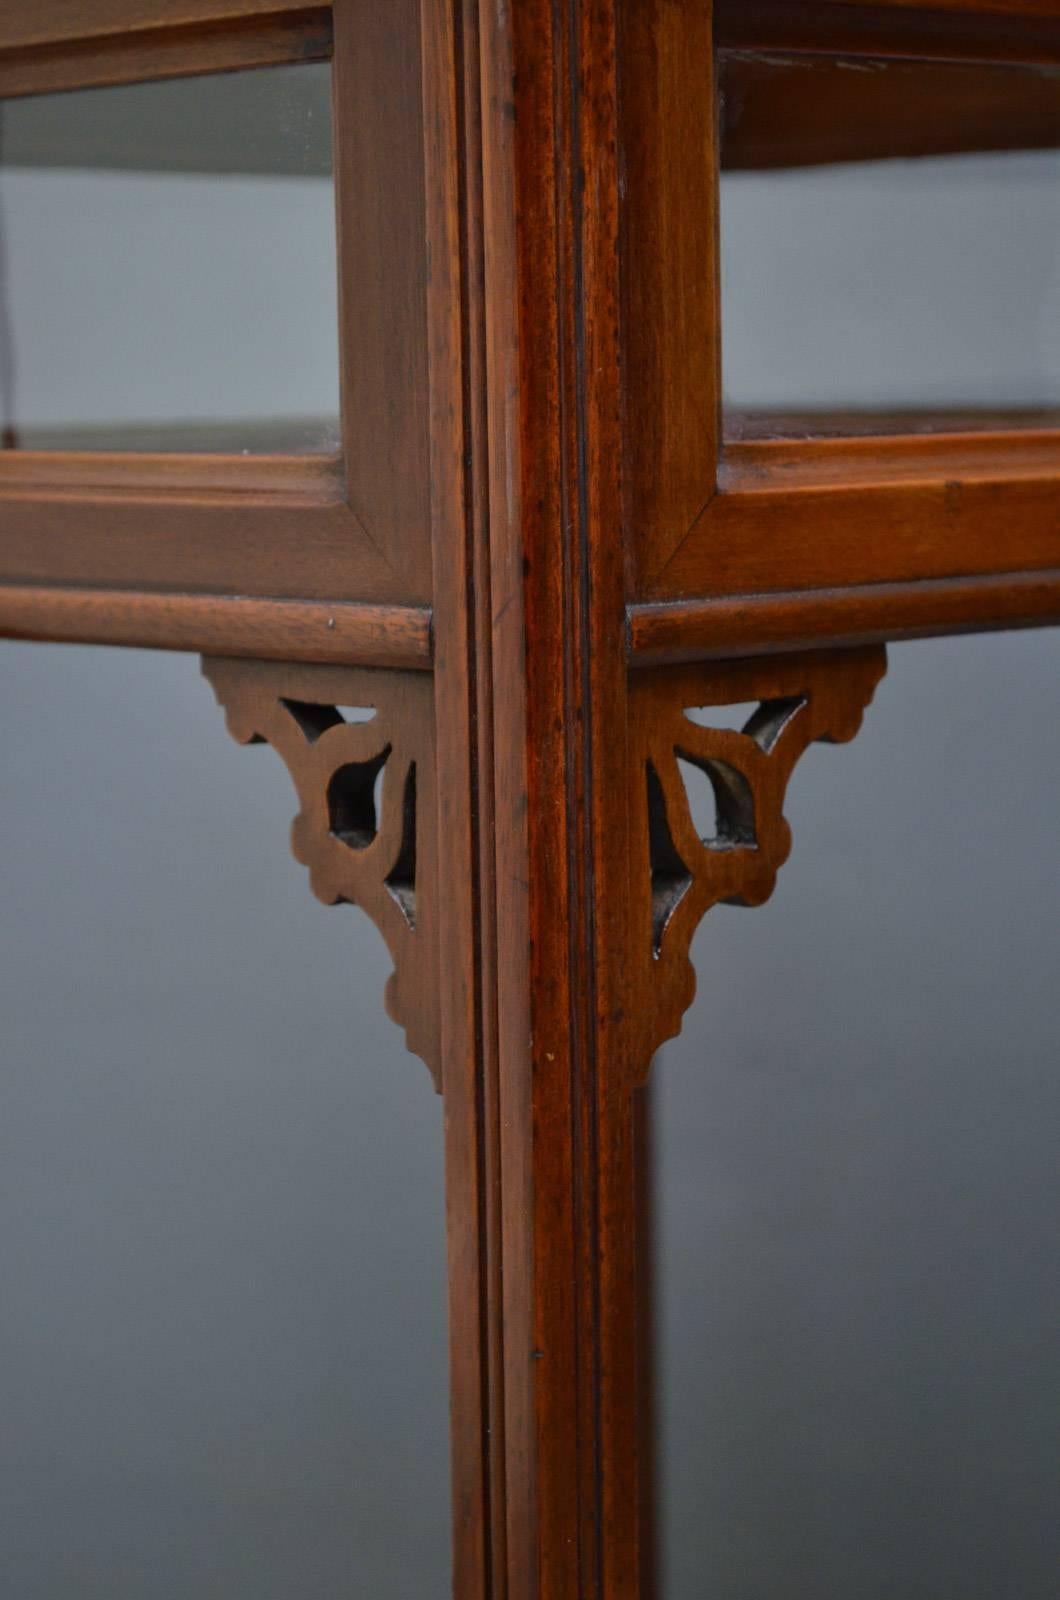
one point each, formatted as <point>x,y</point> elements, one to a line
<point>706,628</point>
<point>50,22</point>
<point>267,527</point>
<point>167,52</point>
<point>356,634</point>
<point>950,30</point>
<point>846,514</point>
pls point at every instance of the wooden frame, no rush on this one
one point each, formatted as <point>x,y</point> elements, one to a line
<point>714,522</point>
<point>534,548</point>
<point>354,528</point>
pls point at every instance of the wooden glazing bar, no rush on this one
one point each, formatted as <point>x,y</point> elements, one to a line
<point>54,22</point>
<point>705,629</point>
<point>952,30</point>
<point>291,36</point>
<point>358,634</point>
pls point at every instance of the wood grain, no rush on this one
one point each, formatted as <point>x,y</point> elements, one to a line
<point>538,340</point>
<point>705,629</point>
<point>813,110</point>
<point>167,475</point>
<point>1011,11</point>
<point>467,998</point>
<point>271,545</point>
<point>167,52</point>
<point>679,875</point>
<point>357,634</point>
<point>959,30</point>
<point>52,22</point>
<point>819,514</point>
<point>559,686</point>
<point>668,256</point>
<point>382,857</point>
<point>380,191</point>
<point>501,651</point>
<point>364,529</point>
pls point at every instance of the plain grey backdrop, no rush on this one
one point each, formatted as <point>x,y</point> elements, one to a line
<point>857,1143</point>
<point>223,1360</point>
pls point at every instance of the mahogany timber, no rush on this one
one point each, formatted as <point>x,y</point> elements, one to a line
<point>829,513</point>
<point>668,262</point>
<point>379,855</point>
<point>167,53</point>
<point>706,629</point>
<point>773,426</point>
<point>557,570</point>
<point>467,999</point>
<point>263,543</point>
<point>813,110</point>
<point>771,516</point>
<point>380,196</point>
<point>235,625</point>
<point>1011,11</point>
<point>679,875</point>
<point>964,30</point>
<point>53,22</point>
<point>281,527</point>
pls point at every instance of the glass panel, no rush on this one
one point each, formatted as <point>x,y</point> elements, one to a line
<point>856,1177</point>
<point>890,236</point>
<point>223,1327</point>
<point>168,266</point>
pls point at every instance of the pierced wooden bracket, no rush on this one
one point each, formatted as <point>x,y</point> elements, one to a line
<point>726,843</point>
<point>359,745</point>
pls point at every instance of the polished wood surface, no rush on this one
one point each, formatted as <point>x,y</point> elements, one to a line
<point>923,508</point>
<point>381,854</point>
<point>164,52</point>
<point>292,528</point>
<point>299,630</point>
<point>535,552</point>
<point>704,629</point>
<point>49,23</point>
<point>608,339</point>
<point>467,1016</point>
<point>797,700</point>
<point>979,30</point>
<point>670,313</point>
<point>813,110</point>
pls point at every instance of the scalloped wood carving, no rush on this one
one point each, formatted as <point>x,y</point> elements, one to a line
<point>359,745</point>
<point>680,743</point>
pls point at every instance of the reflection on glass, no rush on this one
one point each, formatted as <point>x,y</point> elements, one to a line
<point>856,1177</point>
<point>890,236</point>
<point>167,266</point>
<point>223,1329</point>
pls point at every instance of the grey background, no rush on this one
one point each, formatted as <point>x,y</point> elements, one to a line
<point>223,1366</point>
<point>167,265</point>
<point>894,283</point>
<point>275,121</point>
<point>857,1174</point>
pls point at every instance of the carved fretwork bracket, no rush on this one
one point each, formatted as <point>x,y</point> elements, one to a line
<point>742,773</point>
<point>359,745</point>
